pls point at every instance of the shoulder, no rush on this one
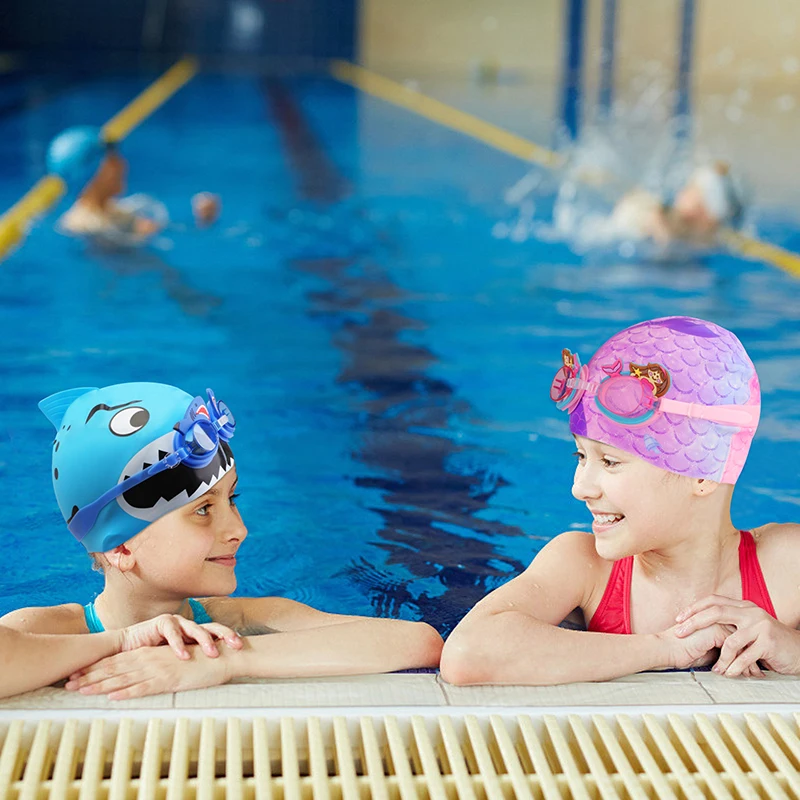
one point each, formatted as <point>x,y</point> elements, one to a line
<point>67,618</point>
<point>778,542</point>
<point>262,614</point>
<point>577,545</point>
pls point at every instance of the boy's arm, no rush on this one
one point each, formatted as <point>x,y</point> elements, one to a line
<point>511,636</point>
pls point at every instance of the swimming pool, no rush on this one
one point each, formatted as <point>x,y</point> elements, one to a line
<point>387,358</point>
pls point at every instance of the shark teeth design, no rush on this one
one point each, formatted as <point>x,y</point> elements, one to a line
<point>172,488</point>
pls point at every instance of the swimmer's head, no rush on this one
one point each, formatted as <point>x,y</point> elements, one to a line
<point>710,199</point>
<point>678,392</point>
<point>205,208</point>
<point>167,448</point>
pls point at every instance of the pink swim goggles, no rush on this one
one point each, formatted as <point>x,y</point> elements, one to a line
<point>634,397</point>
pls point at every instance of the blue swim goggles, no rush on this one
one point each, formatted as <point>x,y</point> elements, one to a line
<point>196,441</point>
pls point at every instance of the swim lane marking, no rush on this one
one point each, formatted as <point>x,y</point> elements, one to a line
<point>392,92</point>
<point>49,189</point>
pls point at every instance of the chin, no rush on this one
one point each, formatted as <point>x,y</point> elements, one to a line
<point>611,550</point>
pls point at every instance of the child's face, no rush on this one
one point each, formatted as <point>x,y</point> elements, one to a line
<point>635,504</point>
<point>191,552</point>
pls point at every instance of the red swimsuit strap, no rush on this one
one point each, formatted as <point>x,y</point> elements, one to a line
<point>754,587</point>
<point>613,615</point>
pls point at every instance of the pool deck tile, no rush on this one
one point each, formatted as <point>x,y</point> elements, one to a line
<point>367,690</point>
<point>421,690</point>
<point>772,688</point>
<point>635,690</point>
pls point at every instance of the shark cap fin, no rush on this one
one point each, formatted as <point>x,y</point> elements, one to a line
<point>55,406</point>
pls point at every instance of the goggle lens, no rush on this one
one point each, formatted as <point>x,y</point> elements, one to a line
<point>625,396</point>
<point>559,388</point>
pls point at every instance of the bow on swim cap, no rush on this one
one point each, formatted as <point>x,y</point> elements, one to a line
<point>692,365</point>
<point>104,436</point>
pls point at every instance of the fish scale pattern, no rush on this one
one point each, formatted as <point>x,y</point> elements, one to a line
<point>707,364</point>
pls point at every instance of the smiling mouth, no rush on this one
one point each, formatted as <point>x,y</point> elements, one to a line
<point>606,520</point>
<point>225,561</point>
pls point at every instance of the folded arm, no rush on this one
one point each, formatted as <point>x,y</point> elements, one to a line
<point>344,646</point>
<point>31,660</point>
<point>512,635</point>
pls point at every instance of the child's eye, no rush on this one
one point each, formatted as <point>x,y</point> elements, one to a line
<point>232,498</point>
<point>580,456</point>
<point>609,462</point>
<point>203,511</point>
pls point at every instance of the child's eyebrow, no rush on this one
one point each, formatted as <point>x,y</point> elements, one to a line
<point>104,407</point>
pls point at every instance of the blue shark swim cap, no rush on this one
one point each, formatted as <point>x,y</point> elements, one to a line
<point>105,436</point>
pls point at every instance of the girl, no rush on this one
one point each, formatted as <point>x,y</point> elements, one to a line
<point>145,478</point>
<point>662,416</point>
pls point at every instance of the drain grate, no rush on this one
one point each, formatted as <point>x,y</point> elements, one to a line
<point>466,756</point>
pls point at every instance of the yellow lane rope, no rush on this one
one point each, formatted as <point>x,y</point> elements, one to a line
<point>450,117</point>
<point>155,95</point>
<point>412,100</point>
<point>47,191</point>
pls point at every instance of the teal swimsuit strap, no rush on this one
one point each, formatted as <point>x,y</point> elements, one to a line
<point>92,620</point>
<point>199,613</point>
<point>95,626</point>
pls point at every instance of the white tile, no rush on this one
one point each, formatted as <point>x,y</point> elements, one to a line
<point>772,688</point>
<point>56,699</point>
<point>364,690</point>
<point>671,688</point>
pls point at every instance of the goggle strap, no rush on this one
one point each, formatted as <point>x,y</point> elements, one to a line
<point>732,415</point>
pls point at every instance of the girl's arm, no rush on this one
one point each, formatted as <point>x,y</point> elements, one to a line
<point>31,660</point>
<point>391,644</point>
<point>357,647</point>
<point>512,635</point>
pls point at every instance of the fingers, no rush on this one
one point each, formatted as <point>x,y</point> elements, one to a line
<point>197,633</point>
<point>228,635</point>
<point>737,614</point>
<point>172,632</point>
<point>739,656</point>
<point>707,602</point>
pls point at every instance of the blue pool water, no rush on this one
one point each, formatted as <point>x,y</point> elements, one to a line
<point>387,358</point>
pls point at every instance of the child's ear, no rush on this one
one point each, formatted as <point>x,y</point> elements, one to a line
<point>121,558</point>
<point>702,487</point>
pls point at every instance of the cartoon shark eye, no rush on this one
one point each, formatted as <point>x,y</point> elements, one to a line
<point>128,421</point>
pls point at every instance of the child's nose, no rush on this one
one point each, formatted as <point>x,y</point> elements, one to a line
<point>234,529</point>
<point>584,485</point>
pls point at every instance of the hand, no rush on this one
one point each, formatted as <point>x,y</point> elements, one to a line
<point>697,649</point>
<point>149,670</point>
<point>756,636</point>
<point>175,630</point>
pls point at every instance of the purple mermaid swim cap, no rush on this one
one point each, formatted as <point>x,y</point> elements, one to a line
<point>680,393</point>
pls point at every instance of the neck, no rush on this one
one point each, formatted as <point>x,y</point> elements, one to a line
<point>700,562</point>
<point>125,602</point>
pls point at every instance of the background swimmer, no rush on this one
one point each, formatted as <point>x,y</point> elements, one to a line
<point>707,202</point>
<point>97,210</point>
